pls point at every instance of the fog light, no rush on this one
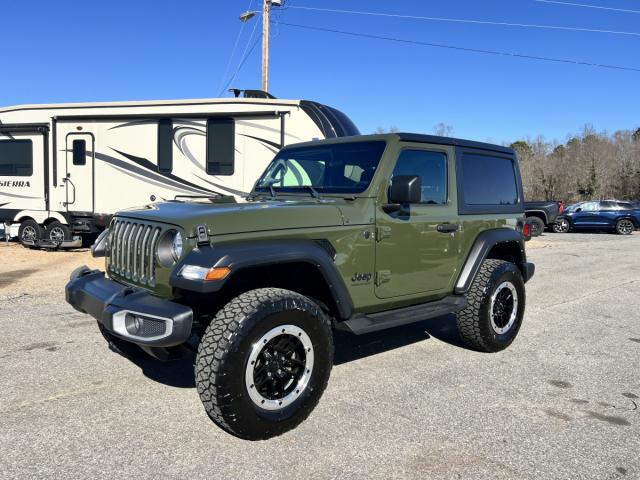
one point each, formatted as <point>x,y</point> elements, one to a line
<point>133,324</point>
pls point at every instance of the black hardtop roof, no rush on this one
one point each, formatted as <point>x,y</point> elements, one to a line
<point>410,137</point>
<point>457,142</point>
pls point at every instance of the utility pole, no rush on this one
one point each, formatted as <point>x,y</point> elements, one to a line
<point>266,19</point>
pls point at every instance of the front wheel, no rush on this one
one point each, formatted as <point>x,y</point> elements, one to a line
<point>263,363</point>
<point>625,226</point>
<point>562,226</point>
<point>493,315</point>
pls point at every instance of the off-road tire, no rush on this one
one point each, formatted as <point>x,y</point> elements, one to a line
<point>474,321</point>
<point>536,225</point>
<point>26,226</point>
<point>224,352</point>
<point>625,226</point>
<point>122,347</point>
<point>58,232</point>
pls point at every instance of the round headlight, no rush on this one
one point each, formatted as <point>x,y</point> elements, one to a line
<point>169,248</point>
<point>176,246</point>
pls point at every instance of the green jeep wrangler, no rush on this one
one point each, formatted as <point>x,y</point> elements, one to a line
<point>358,233</point>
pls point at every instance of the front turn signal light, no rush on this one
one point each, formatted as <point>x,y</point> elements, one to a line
<point>196,272</point>
<point>218,273</point>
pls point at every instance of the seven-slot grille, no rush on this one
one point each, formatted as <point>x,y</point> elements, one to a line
<point>132,247</point>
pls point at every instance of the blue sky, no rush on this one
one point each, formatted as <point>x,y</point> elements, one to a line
<point>70,50</point>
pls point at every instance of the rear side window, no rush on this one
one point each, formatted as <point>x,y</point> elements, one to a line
<point>79,148</point>
<point>489,180</point>
<point>165,145</point>
<point>431,167</point>
<point>221,136</point>
<point>16,158</point>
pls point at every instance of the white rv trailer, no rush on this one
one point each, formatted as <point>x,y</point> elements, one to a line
<point>65,169</point>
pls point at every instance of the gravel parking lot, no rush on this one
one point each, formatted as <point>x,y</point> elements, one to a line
<point>562,402</point>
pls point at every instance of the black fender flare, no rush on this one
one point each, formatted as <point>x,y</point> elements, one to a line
<point>238,256</point>
<point>481,248</point>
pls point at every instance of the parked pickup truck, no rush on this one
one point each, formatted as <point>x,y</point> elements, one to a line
<point>541,214</point>
<point>360,233</point>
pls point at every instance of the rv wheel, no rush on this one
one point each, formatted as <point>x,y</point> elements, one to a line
<point>58,232</point>
<point>30,233</point>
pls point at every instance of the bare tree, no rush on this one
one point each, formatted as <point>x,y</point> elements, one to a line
<point>443,130</point>
<point>590,165</point>
<point>391,129</point>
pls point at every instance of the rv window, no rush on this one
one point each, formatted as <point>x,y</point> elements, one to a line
<point>220,146</point>
<point>16,158</point>
<point>79,152</point>
<point>165,145</point>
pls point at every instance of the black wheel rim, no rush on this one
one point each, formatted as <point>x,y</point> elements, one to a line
<point>504,306</point>
<point>279,367</point>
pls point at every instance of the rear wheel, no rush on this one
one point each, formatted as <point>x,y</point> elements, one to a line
<point>493,315</point>
<point>263,363</point>
<point>29,233</point>
<point>625,226</point>
<point>536,225</point>
<point>58,232</point>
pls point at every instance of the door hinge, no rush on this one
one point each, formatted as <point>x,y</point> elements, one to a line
<point>382,233</point>
<point>383,276</point>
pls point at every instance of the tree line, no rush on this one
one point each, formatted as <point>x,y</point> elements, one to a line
<point>589,166</point>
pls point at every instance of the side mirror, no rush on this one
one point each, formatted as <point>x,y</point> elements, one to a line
<point>578,210</point>
<point>405,189</point>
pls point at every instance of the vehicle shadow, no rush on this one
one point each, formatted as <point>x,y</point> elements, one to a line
<point>350,347</point>
<point>179,373</point>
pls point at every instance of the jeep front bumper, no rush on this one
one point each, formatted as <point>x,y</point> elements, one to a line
<point>129,313</point>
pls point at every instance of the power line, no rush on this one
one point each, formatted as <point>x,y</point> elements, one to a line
<point>464,49</point>
<point>244,57</point>
<point>235,46</point>
<point>584,5</point>
<point>463,20</point>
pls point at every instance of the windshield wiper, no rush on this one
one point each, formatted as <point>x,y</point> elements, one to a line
<point>313,191</point>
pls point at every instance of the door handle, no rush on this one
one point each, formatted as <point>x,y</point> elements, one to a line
<point>447,227</point>
<point>67,203</point>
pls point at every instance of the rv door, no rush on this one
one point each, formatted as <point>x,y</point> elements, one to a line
<point>79,179</point>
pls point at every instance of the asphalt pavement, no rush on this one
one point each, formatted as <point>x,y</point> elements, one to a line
<point>561,402</point>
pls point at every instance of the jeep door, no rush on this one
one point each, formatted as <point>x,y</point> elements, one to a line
<point>417,244</point>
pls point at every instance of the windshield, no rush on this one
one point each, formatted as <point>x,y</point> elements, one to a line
<point>574,207</point>
<point>328,168</point>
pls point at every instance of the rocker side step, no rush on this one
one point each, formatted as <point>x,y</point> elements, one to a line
<point>365,323</point>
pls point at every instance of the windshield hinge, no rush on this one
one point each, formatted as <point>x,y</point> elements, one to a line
<point>382,233</point>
